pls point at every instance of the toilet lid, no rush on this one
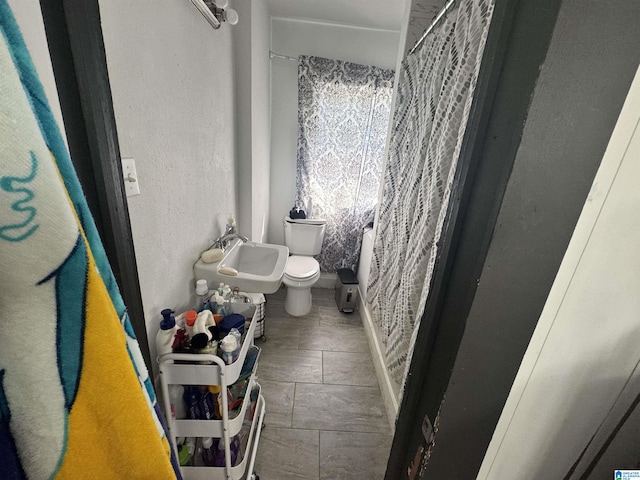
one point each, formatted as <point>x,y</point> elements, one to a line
<point>301,267</point>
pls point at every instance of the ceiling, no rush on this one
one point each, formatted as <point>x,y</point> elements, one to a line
<point>380,14</point>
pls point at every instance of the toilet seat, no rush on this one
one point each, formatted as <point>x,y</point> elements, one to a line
<point>300,267</point>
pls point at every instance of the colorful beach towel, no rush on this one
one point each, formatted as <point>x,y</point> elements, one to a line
<point>76,400</point>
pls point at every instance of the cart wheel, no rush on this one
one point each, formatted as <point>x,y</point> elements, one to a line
<point>263,338</point>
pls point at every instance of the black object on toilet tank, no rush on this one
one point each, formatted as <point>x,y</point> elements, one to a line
<point>346,290</point>
<point>297,212</point>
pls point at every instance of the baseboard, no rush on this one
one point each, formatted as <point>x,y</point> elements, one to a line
<point>326,280</point>
<point>389,393</point>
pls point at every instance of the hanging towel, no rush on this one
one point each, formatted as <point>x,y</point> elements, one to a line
<point>76,400</point>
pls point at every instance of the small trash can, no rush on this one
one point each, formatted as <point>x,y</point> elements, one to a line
<point>346,290</point>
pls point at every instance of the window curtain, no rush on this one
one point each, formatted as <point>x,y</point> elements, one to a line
<point>343,115</point>
<point>435,94</point>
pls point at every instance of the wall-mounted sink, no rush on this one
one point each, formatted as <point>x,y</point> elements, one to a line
<point>259,266</point>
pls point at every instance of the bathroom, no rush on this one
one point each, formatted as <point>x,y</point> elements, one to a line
<point>183,132</point>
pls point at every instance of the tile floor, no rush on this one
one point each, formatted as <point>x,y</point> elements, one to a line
<point>325,416</point>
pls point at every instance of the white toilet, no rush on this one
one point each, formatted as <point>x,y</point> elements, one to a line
<point>304,239</point>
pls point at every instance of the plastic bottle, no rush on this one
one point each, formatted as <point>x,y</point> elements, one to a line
<point>208,456</point>
<point>231,224</point>
<point>220,307</point>
<point>164,337</point>
<point>207,404</point>
<point>187,449</point>
<point>217,402</point>
<point>226,292</point>
<point>190,318</point>
<point>202,296</point>
<point>228,345</point>
<point>192,402</point>
<point>218,451</point>
<point>197,460</point>
<point>176,397</point>
<point>238,336</point>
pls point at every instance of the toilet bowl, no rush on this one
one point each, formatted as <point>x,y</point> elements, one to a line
<point>301,274</point>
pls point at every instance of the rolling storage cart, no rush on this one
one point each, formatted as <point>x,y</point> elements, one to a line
<point>206,369</point>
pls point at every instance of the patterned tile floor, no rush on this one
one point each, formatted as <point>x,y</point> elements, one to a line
<point>325,416</point>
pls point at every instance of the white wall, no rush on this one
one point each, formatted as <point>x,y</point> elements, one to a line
<point>173,93</point>
<point>251,46</point>
<point>261,119</point>
<point>293,38</point>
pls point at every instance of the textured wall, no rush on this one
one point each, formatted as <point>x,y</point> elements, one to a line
<point>172,83</point>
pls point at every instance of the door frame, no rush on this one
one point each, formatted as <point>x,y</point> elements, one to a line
<point>74,34</point>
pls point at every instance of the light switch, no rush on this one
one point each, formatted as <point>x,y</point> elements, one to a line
<point>131,185</point>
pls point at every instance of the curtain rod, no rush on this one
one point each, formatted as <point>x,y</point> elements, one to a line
<point>284,57</point>
<point>442,13</point>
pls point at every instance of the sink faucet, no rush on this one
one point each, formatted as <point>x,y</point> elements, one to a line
<point>223,241</point>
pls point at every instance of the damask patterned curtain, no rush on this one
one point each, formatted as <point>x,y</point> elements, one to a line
<point>343,115</point>
<point>435,92</point>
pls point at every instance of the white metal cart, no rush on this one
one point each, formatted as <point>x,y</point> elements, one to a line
<point>205,369</point>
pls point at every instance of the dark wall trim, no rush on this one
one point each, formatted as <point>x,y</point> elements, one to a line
<point>74,34</point>
<point>516,48</point>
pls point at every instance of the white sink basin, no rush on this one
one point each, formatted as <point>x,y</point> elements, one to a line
<point>260,267</point>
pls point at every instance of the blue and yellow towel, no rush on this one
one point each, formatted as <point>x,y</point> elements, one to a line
<point>75,396</point>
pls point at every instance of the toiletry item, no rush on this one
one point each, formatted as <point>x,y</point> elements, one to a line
<point>197,461</point>
<point>220,289</point>
<point>190,319</point>
<point>200,334</point>
<point>214,390</point>
<point>297,212</point>
<point>183,455</point>
<point>232,272</point>
<point>218,451</point>
<point>309,208</point>
<point>231,224</point>
<point>186,451</point>
<point>220,307</point>
<point>208,457</point>
<point>176,397</point>
<point>238,337</point>
<point>207,404</point>
<point>202,295</point>
<point>192,401</point>
<point>212,256</point>
<point>226,293</point>
<point>164,337</point>
<point>228,345</point>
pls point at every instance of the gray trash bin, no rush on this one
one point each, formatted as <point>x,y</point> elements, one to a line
<point>346,290</point>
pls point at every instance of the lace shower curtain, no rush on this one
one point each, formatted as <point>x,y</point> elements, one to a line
<point>434,97</point>
<point>343,116</point>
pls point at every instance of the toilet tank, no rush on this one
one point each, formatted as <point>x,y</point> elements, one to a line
<point>304,236</point>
